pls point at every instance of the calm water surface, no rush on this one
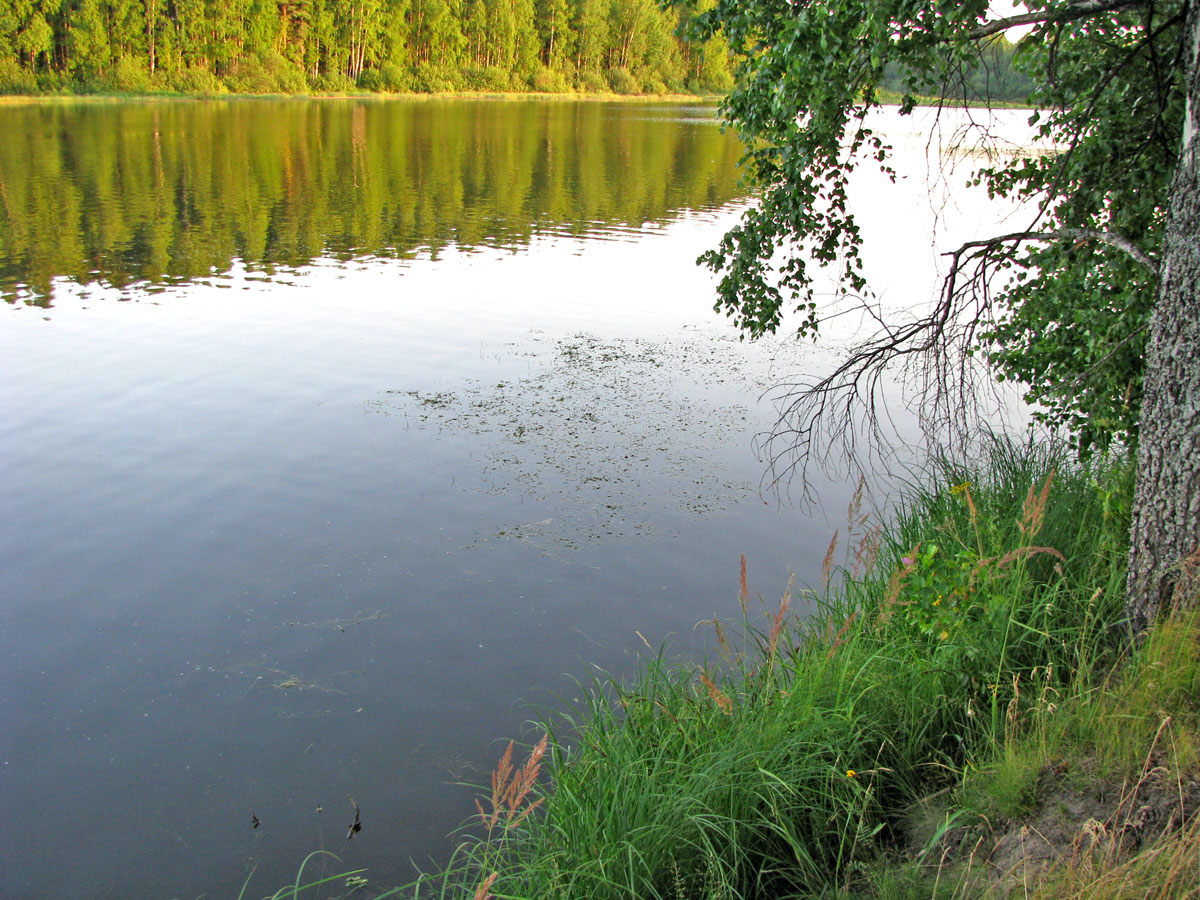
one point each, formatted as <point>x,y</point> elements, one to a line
<point>338,436</point>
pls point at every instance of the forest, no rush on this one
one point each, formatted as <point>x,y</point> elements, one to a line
<point>302,46</point>
<point>990,75</point>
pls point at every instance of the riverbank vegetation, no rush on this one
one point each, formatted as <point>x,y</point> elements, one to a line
<point>955,712</point>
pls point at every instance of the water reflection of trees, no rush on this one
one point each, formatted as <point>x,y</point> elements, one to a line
<point>152,193</point>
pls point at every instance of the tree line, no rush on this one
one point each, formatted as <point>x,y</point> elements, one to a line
<point>297,46</point>
<point>989,74</point>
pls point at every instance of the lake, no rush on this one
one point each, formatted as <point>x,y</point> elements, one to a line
<point>342,438</point>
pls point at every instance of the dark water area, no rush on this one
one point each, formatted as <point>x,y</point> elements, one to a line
<point>343,438</point>
<point>339,437</point>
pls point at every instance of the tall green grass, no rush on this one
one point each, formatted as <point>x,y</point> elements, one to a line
<point>786,767</point>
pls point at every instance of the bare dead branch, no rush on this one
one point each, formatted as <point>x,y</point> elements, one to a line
<point>822,422</point>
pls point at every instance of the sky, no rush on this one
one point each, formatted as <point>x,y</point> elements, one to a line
<point>1002,8</point>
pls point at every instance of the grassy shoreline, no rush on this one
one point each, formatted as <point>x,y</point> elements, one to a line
<point>887,97</point>
<point>877,748</point>
<point>963,716</point>
<point>164,96</point>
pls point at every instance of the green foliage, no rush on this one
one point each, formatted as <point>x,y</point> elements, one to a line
<point>549,81</point>
<point>129,76</point>
<point>269,73</point>
<point>265,46</point>
<point>621,81</point>
<point>433,77</point>
<point>14,79</point>
<point>196,80</point>
<point>938,590</point>
<point>388,78</point>
<point>1107,88</point>
<point>1073,327</point>
<point>494,79</point>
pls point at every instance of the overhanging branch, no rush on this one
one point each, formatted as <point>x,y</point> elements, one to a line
<point>850,404</point>
<point>1120,242</point>
<point>1067,12</point>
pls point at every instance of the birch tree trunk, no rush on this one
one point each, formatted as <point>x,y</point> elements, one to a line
<point>1164,555</point>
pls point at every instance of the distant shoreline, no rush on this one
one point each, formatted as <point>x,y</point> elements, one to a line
<point>18,99</point>
<point>886,97</point>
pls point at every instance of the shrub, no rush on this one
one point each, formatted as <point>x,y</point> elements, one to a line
<point>270,73</point>
<point>130,75</point>
<point>14,79</point>
<point>549,81</point>
<point>490,78</point>
<point>621,81</point>
<point>334,83</point>
<point>593,82</point>
<point>390,78</point>
<point>433,78</point>
<point>654,85</point>
<point>196,80</point>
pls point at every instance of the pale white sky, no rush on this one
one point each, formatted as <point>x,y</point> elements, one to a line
<point>1001,8</point>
